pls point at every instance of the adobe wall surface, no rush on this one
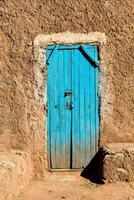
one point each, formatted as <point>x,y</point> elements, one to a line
<point>118,164</point>
<point>15,172</point>
<point>22,116</point>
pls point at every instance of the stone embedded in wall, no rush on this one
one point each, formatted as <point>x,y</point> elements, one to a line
<point>118,165</point>
<point>15,173</point>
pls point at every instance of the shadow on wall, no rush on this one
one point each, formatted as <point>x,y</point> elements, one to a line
<point>94,170</point>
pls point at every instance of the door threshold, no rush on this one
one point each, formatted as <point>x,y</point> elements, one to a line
<point>65,170</point>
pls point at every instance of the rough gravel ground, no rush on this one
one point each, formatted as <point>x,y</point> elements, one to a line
<point>70,186</point>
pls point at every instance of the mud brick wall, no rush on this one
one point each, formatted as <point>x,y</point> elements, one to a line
<point>22,117</point>
<point>15,173</point>
<point>118,165</point>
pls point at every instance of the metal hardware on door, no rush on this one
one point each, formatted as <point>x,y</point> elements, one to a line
<point>68,93</point>
<point>69,106</point>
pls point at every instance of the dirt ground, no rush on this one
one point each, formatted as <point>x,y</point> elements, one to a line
<point>71,186</point>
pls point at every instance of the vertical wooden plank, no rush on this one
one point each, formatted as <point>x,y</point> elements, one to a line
<point>96,55</point>
<point>75,111</point>
<point>87,111</point>
<point>92,110</point>
<point>82,80</point>
<point>56,135</point>
<point>61,146</point>
<point>67,112</point>
<point>51,124</point>
<point>55,114</point>
<point>48,113</point>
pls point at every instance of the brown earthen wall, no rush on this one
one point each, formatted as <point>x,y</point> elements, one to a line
<point>22,116</point>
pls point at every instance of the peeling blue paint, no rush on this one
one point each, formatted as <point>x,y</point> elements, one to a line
<point>72,96</point>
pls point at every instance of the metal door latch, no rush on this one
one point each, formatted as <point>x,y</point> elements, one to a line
<point>68,93</point>
<point>69,106</point>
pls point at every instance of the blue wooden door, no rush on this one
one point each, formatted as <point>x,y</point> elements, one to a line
<point>72,98</point>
